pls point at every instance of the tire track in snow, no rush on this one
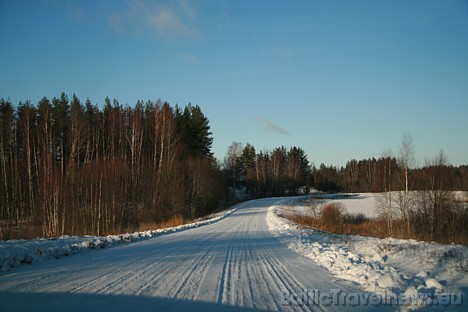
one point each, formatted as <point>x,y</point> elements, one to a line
<point>235,294</point>
<point>181,284</point>
<point>224,284</point>
<point>127,281</point>
<point>51,280</point>
<point>188,286</point>
<point>249,271</point>
<point>33,284</point>
<point>284,280</point>
<point>157,273</point>
<point>95,281</point>
<point>246,259</point>
<point>144,286</point>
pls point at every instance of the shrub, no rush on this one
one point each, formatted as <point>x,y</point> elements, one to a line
<point>332,214</point>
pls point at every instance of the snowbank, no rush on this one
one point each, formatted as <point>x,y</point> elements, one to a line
<point>18,252</point>
<point>392,266</point>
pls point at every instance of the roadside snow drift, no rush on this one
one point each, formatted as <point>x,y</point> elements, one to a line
<point>391,266</point>
<point>18,252</point>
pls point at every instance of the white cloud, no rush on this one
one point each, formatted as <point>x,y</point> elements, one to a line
<point>166,20</point>
<point>167,23</point>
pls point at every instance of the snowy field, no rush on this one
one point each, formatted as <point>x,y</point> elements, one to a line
<point>246,258</point>
<point>356,203</point>
<point>362,203</point>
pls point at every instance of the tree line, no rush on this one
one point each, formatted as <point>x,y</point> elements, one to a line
<point>378,175</point>
<point>283,171</point>
<point>69,167</point>
<point>267,173</point>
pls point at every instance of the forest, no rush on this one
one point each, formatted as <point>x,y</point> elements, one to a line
<point>71,168</point>
<point>74,168</point>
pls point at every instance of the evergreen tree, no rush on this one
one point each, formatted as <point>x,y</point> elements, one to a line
<point>194,128</point>
<point>248,160</point>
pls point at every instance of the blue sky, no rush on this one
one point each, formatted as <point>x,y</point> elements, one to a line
<point>341,79</point>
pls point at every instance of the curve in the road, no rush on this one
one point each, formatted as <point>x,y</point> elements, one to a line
<point>235,262</point>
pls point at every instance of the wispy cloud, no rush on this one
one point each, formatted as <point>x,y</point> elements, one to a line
<point>167,23</point>
<point>76,13</point>
<point>166,20</point>
<point>271,127</point>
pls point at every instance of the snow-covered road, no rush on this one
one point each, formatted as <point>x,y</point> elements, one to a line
<point>236,262</point>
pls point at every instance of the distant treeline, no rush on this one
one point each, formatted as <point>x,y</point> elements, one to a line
<point>385,174</point>
<point>287,172</point>
<point>69,167</point>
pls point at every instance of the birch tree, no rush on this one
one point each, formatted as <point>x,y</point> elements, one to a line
<point>406,162</point>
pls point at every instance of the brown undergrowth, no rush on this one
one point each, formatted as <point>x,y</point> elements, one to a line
<point>332,218</point>
<point>174,221</point>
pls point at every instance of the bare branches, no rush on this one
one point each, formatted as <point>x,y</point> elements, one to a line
<point>92,171</point>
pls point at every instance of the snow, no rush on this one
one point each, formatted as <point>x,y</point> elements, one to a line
<point>17,252</point>
<point>359,203</point>
<point>363,203</point>
<point>234,262</point>
<point>378,265</point>
<point>249,257</point>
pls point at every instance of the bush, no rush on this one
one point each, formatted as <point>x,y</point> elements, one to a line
<point>332,214</point>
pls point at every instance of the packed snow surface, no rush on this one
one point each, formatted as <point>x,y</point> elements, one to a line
<point>234,262</point>
<point>247,258</point>
<point>18,252</point>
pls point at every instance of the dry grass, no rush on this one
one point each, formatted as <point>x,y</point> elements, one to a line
<point>25,231</point>
<point>332,219</point>
<point>176,220</point>
<point>345,225</point>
